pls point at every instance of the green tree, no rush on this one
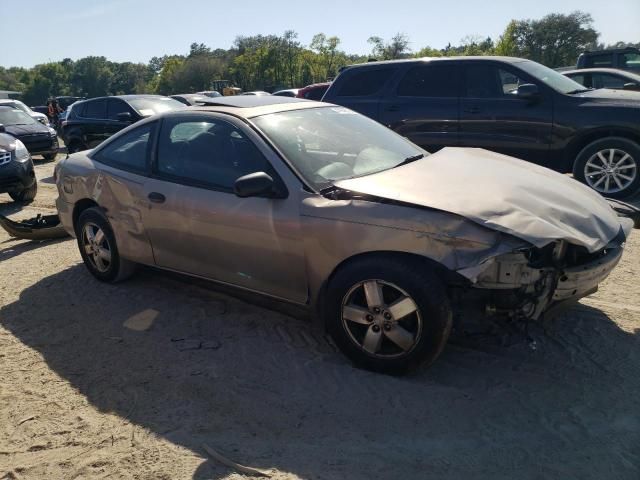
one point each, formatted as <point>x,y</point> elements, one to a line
<point>397,47</point>
<point>555,40</point>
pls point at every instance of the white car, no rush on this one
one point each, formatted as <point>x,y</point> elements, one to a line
<point>17,104</point>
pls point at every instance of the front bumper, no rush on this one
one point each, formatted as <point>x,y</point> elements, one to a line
<point>42,147</point>
<point>524,291</point>
<point>16,176</point>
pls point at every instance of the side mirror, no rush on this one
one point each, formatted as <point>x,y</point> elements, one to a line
<point>631,86</point>
<point>124,117</point>
<point>528,91</point>
<point>258,184</point>
<point>2,129</point>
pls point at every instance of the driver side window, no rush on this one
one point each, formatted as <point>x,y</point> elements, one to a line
<point>206,152</point>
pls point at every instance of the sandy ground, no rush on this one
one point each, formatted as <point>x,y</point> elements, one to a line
<point>129,381</point>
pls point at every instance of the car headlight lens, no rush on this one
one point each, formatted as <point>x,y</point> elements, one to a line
<point>22,154</point>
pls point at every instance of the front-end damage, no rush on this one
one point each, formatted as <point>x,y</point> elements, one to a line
<point>538,283</point>
<point>493,274</point>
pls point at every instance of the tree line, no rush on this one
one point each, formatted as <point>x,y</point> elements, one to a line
<point>268,62</point>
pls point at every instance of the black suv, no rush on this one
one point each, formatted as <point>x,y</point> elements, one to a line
<point>508,105</point>
<point>91,121</point>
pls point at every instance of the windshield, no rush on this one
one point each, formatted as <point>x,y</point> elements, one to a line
<point>555,80</point>
<point>15,117</point>
<point>333,143</point>
<point>148,106</point>
<point>17,105</point>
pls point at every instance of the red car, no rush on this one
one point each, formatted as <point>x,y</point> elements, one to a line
<point>314,91</point>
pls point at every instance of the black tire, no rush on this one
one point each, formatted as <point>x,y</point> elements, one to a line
<point>49,156</point>
<point>616,143</point>
<point>118,268</point>
<point>27,195</point>
<point>76,146</point>
<point>418,282</point>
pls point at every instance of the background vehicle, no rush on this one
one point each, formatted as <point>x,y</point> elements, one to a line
<point>620,58</point>
<point>38,139</point>
<point>91,121</point>
<point>65,101</point>
<point>605,78</point>
<point>40,117</point>
<point>314,91</point>
<point>192,98</point>
<point>508,105</point>
<point>209,93</point>
<point>280,219</point>
<point>17,177</point>
<point>256,92</point>
<point>290,92</point>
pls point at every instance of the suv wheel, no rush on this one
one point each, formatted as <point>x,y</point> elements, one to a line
<point>98,247</point>
<point>387,315</point>
<point>611,166</point>
<point>25,196</point>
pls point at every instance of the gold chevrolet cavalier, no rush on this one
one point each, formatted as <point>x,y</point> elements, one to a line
<point>317,205</point>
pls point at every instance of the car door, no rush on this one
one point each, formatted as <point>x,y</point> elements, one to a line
<point>116,109</point>
<point>424,105</point>
<point>492,116</point>
<point>197,224</point>
<point>122,167</point>
<point>94,115</point>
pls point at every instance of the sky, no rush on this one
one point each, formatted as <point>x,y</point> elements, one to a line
<point>38,31</point>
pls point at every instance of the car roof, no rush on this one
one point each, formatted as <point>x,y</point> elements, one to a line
<point>124,97</point>
<point>253,106</point>
<point>435,59</point>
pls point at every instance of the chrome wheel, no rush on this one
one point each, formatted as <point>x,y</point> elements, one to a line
<point>96,246</point>
<point>610,170</point>
<point>381,318</point>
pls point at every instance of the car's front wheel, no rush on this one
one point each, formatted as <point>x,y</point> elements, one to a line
<point>99,249</point>
<point>25,196</point>
<point>611,166</point>
<point>387,314</point>
<point>49,156</point>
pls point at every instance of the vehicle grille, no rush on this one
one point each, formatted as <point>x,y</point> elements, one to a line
<point>5,157</point>
<point>37,142</point>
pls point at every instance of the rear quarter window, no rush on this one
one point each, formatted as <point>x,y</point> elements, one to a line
<point>364,83</point>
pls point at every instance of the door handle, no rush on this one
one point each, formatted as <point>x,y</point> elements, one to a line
<point>156,197</point>
<point>392,108</point>
<point>472,110</point>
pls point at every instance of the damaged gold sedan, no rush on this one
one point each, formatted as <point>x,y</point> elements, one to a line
<point>320,206</point>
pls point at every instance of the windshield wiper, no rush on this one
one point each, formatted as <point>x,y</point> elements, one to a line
<point>580,90</point>
<point>410,159</point>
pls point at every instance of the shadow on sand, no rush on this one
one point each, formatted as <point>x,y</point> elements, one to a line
<point>195,366</point>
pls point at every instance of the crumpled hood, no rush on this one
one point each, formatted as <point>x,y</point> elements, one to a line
<point>499,192</point>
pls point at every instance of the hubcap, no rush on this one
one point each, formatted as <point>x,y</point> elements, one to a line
<point>610,170</point>
<point>96,246</point>
<point>381,318</point>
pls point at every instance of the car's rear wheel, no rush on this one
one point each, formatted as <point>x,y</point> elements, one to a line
<point>25,196</point>
<point>611,166</point>
<point>388,315</point>
<point>99,249</point>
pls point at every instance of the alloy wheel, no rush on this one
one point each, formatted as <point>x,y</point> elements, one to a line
<point>610,170</point>
<point>381,318</point>
<point>96,246</point>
